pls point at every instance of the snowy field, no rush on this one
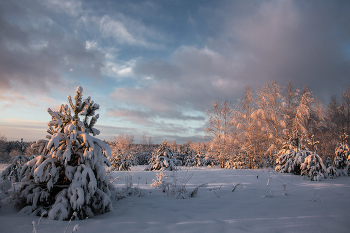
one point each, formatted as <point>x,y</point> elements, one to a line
<point>254,206</point>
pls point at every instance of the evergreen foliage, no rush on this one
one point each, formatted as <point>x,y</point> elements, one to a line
<point>236,162</point>
<point>121,161</point>
<point>342,153</point>
<point>184,156</point>
<point>292,155</point>
<point>328,162</point>
<point>313,167</point>
<point>163,159</point>
<point>68,175</point>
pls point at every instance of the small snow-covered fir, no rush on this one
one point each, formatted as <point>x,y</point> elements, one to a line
<point>236,162</point>
<point>121,161</point>
<point>163,159</point>
<point>313,167</point>
<point>342,156</point>
<point>292,155</point>
<point>68,175</point>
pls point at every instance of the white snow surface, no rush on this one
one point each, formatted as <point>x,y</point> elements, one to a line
<point>254,206</point>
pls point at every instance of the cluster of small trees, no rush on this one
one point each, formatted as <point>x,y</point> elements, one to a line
<point>253,133</point>
<point>167,155</point>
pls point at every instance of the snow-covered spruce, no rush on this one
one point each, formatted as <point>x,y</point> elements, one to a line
<point>328,162</point>
<point>291,161</point>
<point>202,159</point>
<point>292,156</point>
<point>332,172</point>
<point>163,159</point>
<point>186,156</point>
<point>235,162</point>
<point>68,176</point>
<point>121,161</point>
<point>342,155</point>
<point>313,167</point>
<point>196,159</point>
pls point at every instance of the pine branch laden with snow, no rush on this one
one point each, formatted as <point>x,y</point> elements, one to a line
<point>163,159</point>
<point>313,167</point>
<point>68,176</point>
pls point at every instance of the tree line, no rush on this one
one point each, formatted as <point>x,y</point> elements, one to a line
<point>256,128</point>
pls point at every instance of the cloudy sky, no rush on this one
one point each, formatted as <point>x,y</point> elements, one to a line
<point>156,66</point>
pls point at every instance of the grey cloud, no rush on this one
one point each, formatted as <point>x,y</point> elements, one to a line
<point>286,41</point>
<point>302,42</point>
<point>128,31</point>
<point>193,78</point>
<point>37,55</point>
<point>293,40</point>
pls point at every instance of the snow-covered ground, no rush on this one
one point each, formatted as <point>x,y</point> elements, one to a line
<point>254,206</point>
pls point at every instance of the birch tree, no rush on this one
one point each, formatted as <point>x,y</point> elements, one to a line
<point>219,118</point>
<point>243,122</point>
<point>275,116</point>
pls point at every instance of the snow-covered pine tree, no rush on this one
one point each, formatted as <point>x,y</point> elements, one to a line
<point>236,162</point>
<point>313,165</point>
<point>200,159</point>
<point>163,159</point>
<point>185,154</point>
<point>341,160</point>
<point>331,171</point>
<point>190,161</point>
<point>292,155</point>
<point>68,175</point>
<point>121,161</point>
